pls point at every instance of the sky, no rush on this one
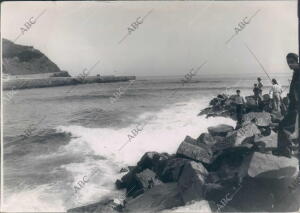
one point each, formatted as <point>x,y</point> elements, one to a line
<point>175,37</point>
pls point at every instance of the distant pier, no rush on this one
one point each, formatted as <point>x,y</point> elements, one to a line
<point>26,83</point>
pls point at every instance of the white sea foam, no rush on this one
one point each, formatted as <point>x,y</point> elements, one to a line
<point>162,133</point>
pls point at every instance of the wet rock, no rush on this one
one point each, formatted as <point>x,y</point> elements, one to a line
<point>173,169</point>
<point>191,181</point>
<point>220,130</point>
<point>189,148</point>
<point>164,196</point>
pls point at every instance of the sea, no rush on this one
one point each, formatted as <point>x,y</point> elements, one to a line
<point>64,146</point>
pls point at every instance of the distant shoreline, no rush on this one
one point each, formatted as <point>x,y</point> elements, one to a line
<point>61,81</point>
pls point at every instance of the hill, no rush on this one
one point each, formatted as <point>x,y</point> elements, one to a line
<point>25,60</point>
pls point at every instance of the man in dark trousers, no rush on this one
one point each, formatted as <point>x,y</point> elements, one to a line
<point>239,103</point>
<point>289,126</point>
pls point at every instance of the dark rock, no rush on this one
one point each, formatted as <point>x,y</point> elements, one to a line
<point>251,103</point>
<point>191,181</point>
<point>173,169</point>
<point>147,179</point>
<point>120,184</point>
<point>220,130</point>
<point>206,138</point>
<point>158,198</point>
<point>154,161</point>
<point>276,117</point>
<point>266,97</point>
<point>189,148</point>
<point>123,170</point>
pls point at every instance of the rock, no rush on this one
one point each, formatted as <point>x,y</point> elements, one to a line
<point>220,130</point>
<point>151,160</point>
<point>189,148</point>
<point>128,180</point>
<point>154,161</point>
<point>147,179</point>
<point>191,181</point>
<point>173,169</point>
<point>250,102</point>
<point>276,117</point>
<point>260,165</point>
<point>268,142</point>
<point>123,170</point>
<point>241,135</point>
<point>102,206</point>
<point>266,97</point>
<point>202,206</point>
<point>158,198</point>
<point>260,118</point>
<point>120,184</point>
<point>206,138</point>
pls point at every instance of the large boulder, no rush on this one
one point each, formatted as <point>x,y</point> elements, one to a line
<point>260,165</point>
<point>191,181</point>
<point>220,130</point>
<point>265,183</point>
<point>260,118</point>
<point>158,198</point>
<point>191,149</point>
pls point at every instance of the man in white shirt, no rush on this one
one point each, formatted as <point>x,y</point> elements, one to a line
<point>275,92</point>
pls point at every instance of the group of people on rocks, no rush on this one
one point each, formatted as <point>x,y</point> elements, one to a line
<point>288,130</point>
<point>274,93</point>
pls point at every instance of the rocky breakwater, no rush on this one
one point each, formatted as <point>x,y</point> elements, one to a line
<point>224,169</point>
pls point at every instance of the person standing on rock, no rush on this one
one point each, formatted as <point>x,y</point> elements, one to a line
<point>257,95</point>
<point>289,126</point>
<point>260,85</point>
<point>275,92</point>
<point>239,102</point>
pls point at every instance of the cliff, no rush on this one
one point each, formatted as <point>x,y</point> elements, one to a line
<point>24,60</point>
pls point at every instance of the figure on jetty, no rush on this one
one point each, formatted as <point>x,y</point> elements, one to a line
<point>257,95</point>
<point>239,101</point>
<point>288,131</point>
<point>260,85</point>
<point>275,93</point>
